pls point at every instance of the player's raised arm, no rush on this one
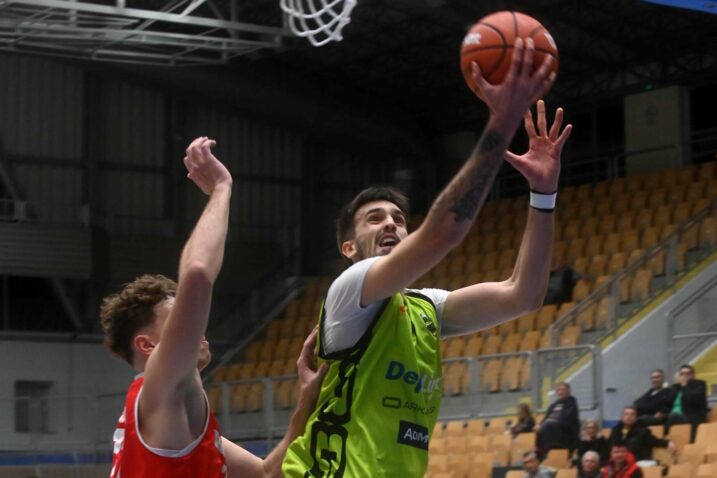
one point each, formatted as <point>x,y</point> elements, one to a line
<point>174,361</point>
<point>482,305</point>
<point>453,212</point>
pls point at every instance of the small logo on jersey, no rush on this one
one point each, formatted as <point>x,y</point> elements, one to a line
<point>413,435</point>
<point>472,38</point>
<point>430,326</point>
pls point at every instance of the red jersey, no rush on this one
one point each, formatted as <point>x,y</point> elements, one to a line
<point>133,458</point>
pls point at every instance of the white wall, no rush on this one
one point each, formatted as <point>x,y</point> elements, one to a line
<point>80,370</point>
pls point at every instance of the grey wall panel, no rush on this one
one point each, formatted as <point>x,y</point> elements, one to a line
<point>247,146</point>
<point>53,193</point>
<point>40,250</point>
<point>40,108</point>
<point>133,194</point>
<point>135,125</point>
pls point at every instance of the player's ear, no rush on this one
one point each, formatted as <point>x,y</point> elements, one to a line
<point>348,249</point>
<point>143,344</point>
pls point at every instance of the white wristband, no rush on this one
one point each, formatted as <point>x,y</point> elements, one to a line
<point>543,202</point>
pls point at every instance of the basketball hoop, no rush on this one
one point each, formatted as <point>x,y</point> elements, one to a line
<point>321,23</point>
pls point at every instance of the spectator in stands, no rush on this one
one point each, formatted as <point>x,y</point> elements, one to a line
<point>654,406</point>
<point>636,436</point>
<point>592,440</point>
<point>590,465</point>
<point>525,422</point>
<point>561,426</point>
<point>560,284</point>
<point>622,463</point>
<point>689,400</point>
<point>533,468</point>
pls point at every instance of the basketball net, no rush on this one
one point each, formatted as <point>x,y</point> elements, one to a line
<point>320,21</point>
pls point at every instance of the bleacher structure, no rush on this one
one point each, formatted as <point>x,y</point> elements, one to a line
<point>634,232</point>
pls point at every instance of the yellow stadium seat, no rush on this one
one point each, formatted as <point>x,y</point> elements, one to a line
<point>681,470</point>
<point>586,318</point>
<point>657,198</point>
<point>490,375</point>
<point>680,434</point>
<point>706,170</point>
<point>612,243</point>
<point>626,221</point>
<point>638,201</point>
<point>617,186</point>
<point>454,428</point>
<point>604,312</point>
<point>707,432</point>
<point>580,291</point>
<point>621,204</point>
<point>500,446</point>
<point>473,346</point>
<point>546,316</point>
<point>454,347</point>
<point>478,443</point>
<point>629,240</point>
<point>437,463</point>
<point>589,227</point>
<point>706,470</point>
<point>708,232</point>
<point>617,263</point>
<point>650,238</point>
<point>475,427</point>
<point>567,473</point>
<point>491,345</point>
<point>557,458</point>
<point>643,220</point>
<point>530,341</point>
<point>598,266</point>
<point>570,336</point>
<point>510,343</point>
<point>607,224</point>
<point>692,453</point>
<point>481,465</point>
<point>456,444</point>
<point>571,230</point>
<point>663,216</point>
<point>576,249</point>
<point>437,445</point>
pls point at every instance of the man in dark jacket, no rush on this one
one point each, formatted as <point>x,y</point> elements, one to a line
<point>636,436</point>
<point>654,406</point>
<point>561,426</point>
<point>689,403</point>
<point>622,464</point>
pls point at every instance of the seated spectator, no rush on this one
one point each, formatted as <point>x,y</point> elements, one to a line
<point>622,464</point>
<point>560,284</point>
<point>654,406</point>
<point>592,440</point>
<point>561,426</point>
<point>533,468</point>
<point>638,439</point>
<point>590,465</point>
<point>525,422</point>
<point>689,403</point>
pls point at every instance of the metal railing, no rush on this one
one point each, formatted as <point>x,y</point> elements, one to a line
<point>610,300</point>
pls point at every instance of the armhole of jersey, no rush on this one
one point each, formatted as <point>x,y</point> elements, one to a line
<point>418,295</point>
<point>361,343</point>
<point>170,453</point>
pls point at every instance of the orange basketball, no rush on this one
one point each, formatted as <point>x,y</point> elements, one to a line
<point>490,44</point>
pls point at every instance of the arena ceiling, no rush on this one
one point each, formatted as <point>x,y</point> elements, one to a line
<point>406,51</point>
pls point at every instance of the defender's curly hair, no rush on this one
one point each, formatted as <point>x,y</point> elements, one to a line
<point>124,314</point>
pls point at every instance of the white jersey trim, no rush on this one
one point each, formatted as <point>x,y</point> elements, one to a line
<point>161,451</point>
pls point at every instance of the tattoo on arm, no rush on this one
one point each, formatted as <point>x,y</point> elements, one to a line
<point>470,189</point>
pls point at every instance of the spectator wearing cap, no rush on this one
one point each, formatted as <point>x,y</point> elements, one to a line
<point>655,404</point>
<point>689,400</point>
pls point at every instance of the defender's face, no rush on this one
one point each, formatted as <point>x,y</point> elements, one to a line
<point>162,311</point>
<point>378,228</point>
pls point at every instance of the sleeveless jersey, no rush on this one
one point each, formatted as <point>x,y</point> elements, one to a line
<point>132,458</point>
<point>379,401</point>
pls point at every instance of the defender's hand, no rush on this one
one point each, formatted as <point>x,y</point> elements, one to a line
<point>204,169</point>
<point>310,377</point>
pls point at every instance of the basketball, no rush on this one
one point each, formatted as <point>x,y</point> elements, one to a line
<point>490,44</point>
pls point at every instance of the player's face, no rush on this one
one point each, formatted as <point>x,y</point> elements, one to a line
<point>162,311</point>
<point>378,227</point>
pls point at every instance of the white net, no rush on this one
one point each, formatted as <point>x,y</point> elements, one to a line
<point>320,21</point>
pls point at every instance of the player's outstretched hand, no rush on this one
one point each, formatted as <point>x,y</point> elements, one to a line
<point>203,167</point>
<point>541,164</point>
<point>521,86</point>
<point>310,377</point>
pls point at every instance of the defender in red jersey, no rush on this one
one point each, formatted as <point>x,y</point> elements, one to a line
<point>167,428</point>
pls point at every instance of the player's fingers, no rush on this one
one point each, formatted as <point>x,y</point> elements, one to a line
<point>516,65</point>
<point>196,142</point>
<point>480,82</point>
<point>557,123</point>
<point>543,88</point>
<point>529,124</point>
<point>563,137</point>
<point>321,372</point>
<point>542,124</point>
<point>528,56</point>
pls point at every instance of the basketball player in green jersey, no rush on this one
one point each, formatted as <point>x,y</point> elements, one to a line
<point>379,400</point>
